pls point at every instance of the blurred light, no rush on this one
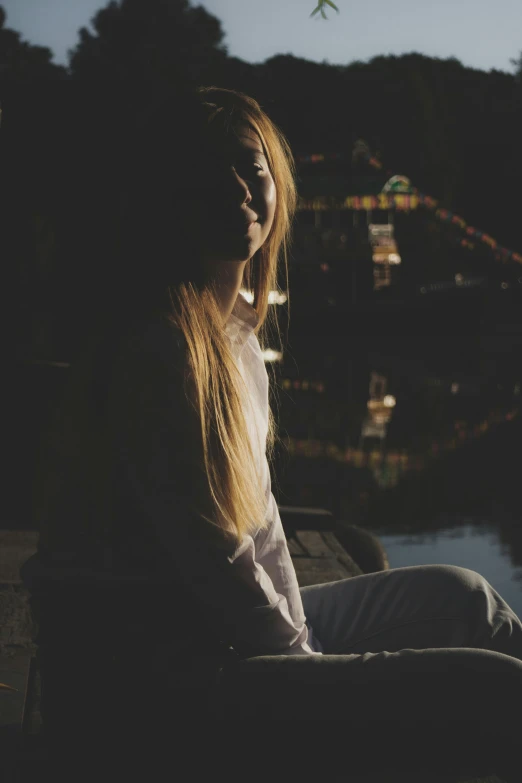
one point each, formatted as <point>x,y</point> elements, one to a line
<point>287,383</point>
<point>305,385</point>
<point>272,356</point>
<point>277,297</point>
<point>274,297</point>
<point>343,237</point>
<point>394,258</point>
<point>324,267</point>
<point>504,285</point>
<point>454,388</point>
<point>516,390</point>
<point>423,290</point>
<point>520,280</point>
<point>389,401</point>
<point>459,279</point>
<point>249,295</point>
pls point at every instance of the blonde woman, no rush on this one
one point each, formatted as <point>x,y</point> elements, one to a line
<point>163,439</point>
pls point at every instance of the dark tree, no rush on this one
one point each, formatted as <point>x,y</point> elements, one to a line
<point>138,42</point>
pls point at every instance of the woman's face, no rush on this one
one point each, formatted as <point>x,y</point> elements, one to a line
<point>232,196</point>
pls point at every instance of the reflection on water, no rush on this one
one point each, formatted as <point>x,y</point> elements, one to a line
<point>417,443</point>
<point>471,545</point>
<point>388,466</point>
<point>405,416</point>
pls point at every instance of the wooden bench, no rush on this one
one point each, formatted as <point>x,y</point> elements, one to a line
<point>317,555</point>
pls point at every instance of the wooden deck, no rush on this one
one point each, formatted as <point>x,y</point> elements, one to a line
<point>318,557</point>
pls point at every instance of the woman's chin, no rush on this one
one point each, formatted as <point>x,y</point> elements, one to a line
<point>237,249</point>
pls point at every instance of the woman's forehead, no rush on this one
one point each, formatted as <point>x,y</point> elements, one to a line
<point>226,139</point>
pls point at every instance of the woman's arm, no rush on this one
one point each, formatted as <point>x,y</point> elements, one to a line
<point>157,447</point>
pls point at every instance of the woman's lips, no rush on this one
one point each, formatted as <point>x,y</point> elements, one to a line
<point>244,228</point>
<point>235,227</point>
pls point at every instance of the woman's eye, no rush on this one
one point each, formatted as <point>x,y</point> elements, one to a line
<point>250,169</point>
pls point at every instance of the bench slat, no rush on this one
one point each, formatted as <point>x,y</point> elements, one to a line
<point>15,673</point>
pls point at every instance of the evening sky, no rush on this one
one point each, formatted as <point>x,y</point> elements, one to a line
<point>479,33</point>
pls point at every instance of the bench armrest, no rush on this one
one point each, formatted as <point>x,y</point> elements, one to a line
<point>302,518</point>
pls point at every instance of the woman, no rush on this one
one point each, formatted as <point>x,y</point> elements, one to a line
<point>165,433</point>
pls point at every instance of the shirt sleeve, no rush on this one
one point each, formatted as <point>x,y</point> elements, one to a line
<point>156,438</point>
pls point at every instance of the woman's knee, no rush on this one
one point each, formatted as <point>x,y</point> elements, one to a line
<point>460,576</point>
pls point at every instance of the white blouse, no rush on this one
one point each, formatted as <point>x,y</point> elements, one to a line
<point>264,559</point>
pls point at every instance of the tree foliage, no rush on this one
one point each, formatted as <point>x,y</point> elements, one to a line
<point>321,8</point>
<point>22,61</point>
<point>166,41</point>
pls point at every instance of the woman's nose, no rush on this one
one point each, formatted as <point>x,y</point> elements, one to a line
<point>239,187</point>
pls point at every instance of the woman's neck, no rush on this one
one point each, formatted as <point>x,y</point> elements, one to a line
<point>227,277</point>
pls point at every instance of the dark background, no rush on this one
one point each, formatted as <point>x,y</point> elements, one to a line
<point>453,130</point>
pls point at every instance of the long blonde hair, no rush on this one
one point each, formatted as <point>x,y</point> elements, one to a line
<point>237,494</point>
<point>153,270</point>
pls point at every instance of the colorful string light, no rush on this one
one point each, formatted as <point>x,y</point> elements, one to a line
<point>400,201</point>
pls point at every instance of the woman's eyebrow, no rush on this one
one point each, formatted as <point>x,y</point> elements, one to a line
<point>253,151</point>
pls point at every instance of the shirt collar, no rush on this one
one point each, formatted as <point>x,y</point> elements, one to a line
<point>241,323</point>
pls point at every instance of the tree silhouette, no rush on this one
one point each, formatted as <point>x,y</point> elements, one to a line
<point>137,42</point>
<point>24,62</point>
<point>517,62</point>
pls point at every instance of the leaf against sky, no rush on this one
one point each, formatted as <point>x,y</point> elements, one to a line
<point>321,8</point>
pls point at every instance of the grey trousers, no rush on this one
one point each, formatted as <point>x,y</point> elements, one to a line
<point>432,662</point>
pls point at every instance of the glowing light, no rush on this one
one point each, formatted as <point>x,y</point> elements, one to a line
<point>454,388</point>
<point>504,285</point>
<point>394,258</point>
<point>459,279</point>
<point>274,297</point>
<point>249,295</point>
<point>389,401</point>
<point>272,356</point>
